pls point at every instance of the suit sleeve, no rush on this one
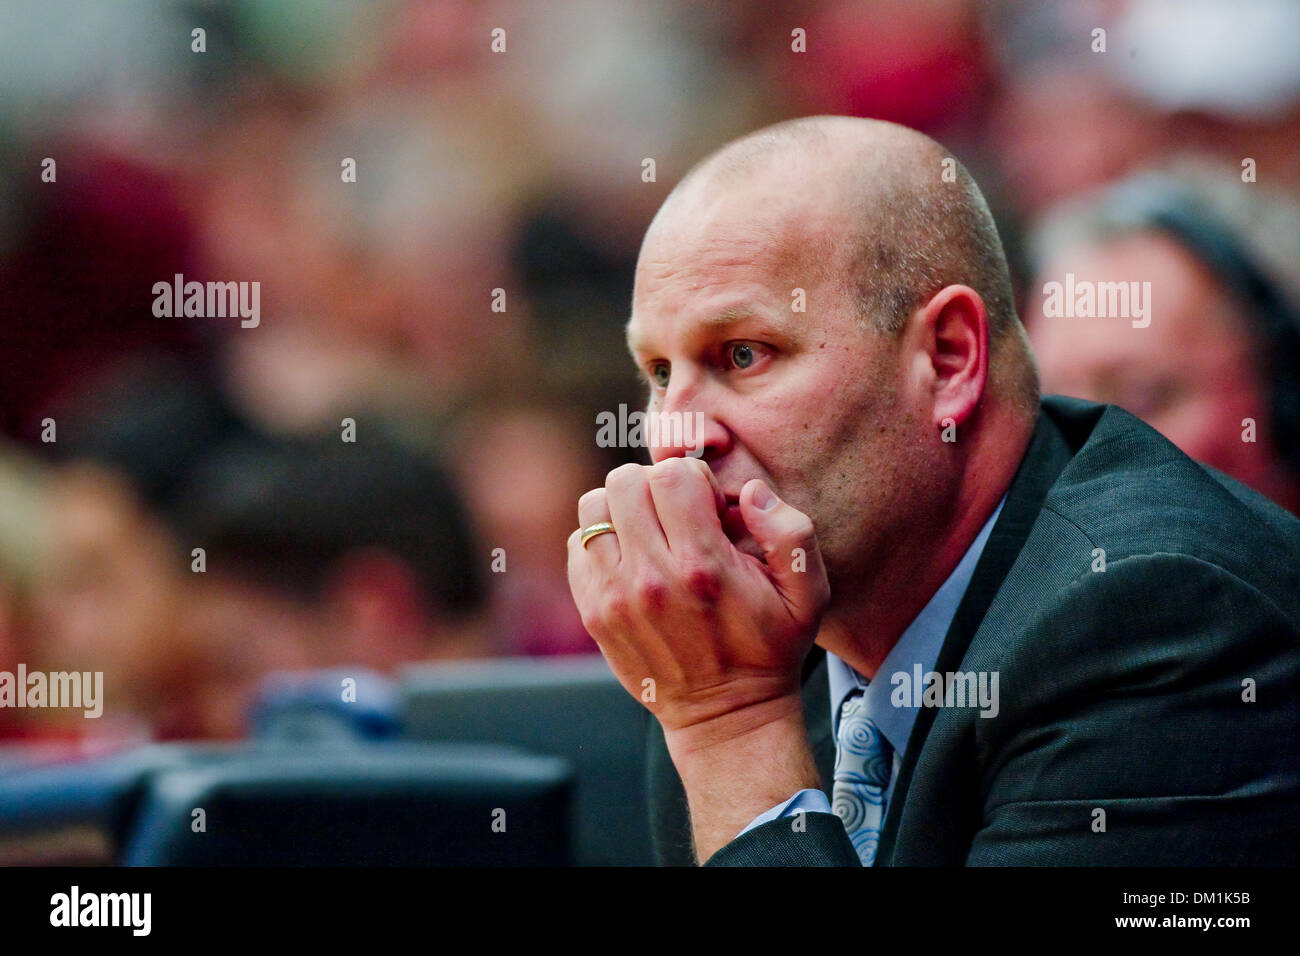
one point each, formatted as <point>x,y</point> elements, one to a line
<point>818,839</point>
<point>1149,717</point>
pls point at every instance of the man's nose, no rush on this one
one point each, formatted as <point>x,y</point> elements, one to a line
<point>681,427</point>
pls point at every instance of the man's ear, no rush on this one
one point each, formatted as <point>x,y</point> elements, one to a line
<point>954,339</point>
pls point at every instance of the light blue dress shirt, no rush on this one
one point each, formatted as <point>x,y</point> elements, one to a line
<point>919,645</point>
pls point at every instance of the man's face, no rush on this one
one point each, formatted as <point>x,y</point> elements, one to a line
<point>809,401</point>
<point>1190,374</point>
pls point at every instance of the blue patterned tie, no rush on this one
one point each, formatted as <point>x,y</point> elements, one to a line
<point>863,760</point>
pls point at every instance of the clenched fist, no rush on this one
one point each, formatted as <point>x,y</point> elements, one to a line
<point>669,597</point>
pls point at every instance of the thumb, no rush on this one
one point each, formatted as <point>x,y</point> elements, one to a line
<point>789,545</point>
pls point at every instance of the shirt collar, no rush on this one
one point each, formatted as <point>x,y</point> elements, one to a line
<point>919,644</point>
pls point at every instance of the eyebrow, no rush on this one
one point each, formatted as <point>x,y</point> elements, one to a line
<point>729,316</point>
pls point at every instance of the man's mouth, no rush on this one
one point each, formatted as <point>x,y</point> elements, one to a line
<point>732,523</point>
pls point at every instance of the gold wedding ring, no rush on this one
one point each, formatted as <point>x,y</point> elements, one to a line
<point>591,531</point>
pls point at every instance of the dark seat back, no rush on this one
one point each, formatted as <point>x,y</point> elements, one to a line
<point>80,811</point>
<point>570,707</point>
<point>382,804</point>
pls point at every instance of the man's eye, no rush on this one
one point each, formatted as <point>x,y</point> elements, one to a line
<point>741,355</point>
<point>659,374</point>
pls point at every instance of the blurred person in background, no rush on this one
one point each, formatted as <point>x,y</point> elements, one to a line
<point>1092,90</point>
<point>1221,77</point>
<point>316,552</point>
<point>378,289</point>
<point>111,593</point>
<point>77,280</point>
<point>320,553</point>
<point>24,529</point>
<point>649,81</point>
<point>924,65</point>
<point>108,600</point>
<point>1217,370</point>
<point>1064,120</point>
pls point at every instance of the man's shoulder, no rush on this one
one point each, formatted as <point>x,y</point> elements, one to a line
<point>1146,601</point>
<point>1131,534</point>
<point>1128,492</point>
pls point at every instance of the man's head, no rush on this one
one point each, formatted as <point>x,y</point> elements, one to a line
<point>324,553</point>
<point>1216,257</point>
<point>827,293</point>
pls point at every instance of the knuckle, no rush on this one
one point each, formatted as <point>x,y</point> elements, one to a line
<point>703,581</point>
<point>651,591</point>
<point>615,607</point>
<point>671,470</point>
<point>676,474</point>
<point>697,465</point>
<point>623,476</point>
<point>593,497</point>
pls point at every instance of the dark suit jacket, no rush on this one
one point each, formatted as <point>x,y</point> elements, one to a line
<point>1120,690</point>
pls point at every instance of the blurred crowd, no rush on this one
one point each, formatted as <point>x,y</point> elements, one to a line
<point>385,469</point>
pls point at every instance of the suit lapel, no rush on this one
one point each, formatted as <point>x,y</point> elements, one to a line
<point>817,715</point>
<point>1047,455</point>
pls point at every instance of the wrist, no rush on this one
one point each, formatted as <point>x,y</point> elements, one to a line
<point>740,764</point>
<point>752,725</point>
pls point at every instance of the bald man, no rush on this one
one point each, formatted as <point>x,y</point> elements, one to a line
<point>890,607</point>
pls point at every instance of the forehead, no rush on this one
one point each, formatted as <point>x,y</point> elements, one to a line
<point>721,256</point>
